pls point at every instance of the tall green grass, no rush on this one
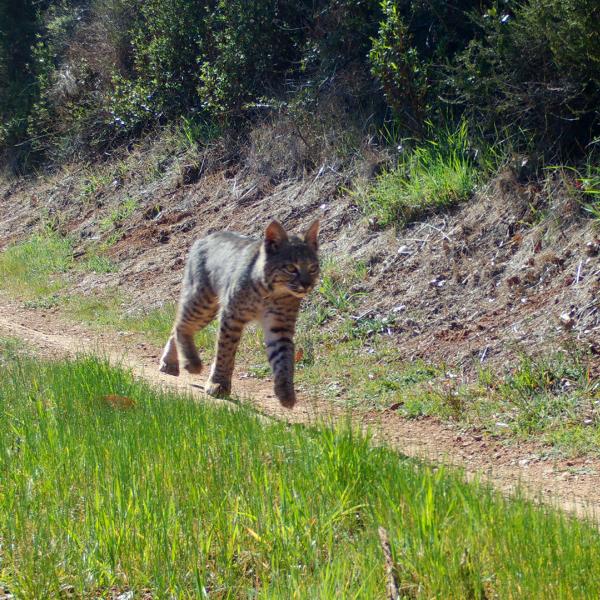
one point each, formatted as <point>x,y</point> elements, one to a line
<point>107,485</point>
<point>435,174</point>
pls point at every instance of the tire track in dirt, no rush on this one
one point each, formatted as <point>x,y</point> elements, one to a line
<point>572,485</point>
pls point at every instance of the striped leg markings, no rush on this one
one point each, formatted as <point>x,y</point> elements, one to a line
<point>194,313</point>
<point>280,352</point>
<point>230,332</point>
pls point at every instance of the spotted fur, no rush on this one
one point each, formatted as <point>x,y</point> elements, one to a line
<point>242,279</point>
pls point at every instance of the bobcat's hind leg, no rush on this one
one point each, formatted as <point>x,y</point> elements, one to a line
<point>194,314</point>
<point>169,363</point>
<point>230,331</point>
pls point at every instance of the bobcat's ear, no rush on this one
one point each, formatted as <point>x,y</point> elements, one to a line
<point>310,237</point>
<point>275,235</point>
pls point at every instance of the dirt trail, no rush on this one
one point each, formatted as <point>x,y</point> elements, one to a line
<point>573,485</point>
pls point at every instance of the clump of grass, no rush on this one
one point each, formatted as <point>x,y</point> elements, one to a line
<point>36,267</point>
<point>589,184</point>
<point>104,309</point>
<point>549,398</point>
<point>584,183</point>
<point>110,486</point>
<point>93,183</point>
<point>434,175</point>
<point>97,263</point>
<point>112,310</point>
<point>118,215</point>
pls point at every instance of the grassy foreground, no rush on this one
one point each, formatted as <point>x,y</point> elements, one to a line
<point>107,485</point>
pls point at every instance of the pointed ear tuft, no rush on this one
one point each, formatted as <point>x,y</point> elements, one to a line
<point>275,235</point>
<point>310,237</point>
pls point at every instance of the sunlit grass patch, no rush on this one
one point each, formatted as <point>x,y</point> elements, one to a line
<point>98,263</point>
<point>435,174</point>
<point>107,484</point>
<point>36,270</point>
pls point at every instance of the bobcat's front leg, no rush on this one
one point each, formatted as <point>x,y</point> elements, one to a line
<point>230,331</point>
<point>279,332</point>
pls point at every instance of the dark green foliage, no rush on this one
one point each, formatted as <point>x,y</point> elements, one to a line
<point>415,44</point>
<point>79,76</point>
<point>167,39</point>
<point>18,26</point>
<point>254,45</point>
<point>61,110</point>
<point>338,33</point>
<point>395,62</point>
<point>535,66</point>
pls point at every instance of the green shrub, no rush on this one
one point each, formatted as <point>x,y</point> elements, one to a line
<point>18,26</point>
<point>253,45</point>
<point>535,66</point>
<point>414,43</point>
<point>79,77</point>
<point>167,39</point>
<point>396,63</point>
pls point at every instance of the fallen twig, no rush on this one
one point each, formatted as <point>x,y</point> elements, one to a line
<point>483,354</point>
<point>392,584</point>
<point>438,230</point>
<point>578,276</point>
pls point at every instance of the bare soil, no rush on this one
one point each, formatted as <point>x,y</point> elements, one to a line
<point>573,485</point>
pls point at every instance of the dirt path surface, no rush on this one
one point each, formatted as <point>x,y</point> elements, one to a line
<point>573,485</point>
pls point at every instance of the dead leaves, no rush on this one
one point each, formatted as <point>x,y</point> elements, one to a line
<point>118,402</point>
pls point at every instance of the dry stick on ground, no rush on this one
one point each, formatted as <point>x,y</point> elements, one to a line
<point>438,230</point>
<point>392,584</point>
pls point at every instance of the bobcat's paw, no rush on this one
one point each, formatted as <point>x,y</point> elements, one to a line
<point>193,366</point>
<point>286,397</point>
<point>169,368</point>
<point>217,390</point>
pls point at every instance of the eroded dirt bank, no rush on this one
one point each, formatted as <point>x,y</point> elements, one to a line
<point>517,268</point>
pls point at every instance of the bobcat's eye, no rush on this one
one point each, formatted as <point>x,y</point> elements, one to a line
<point>291,268</point>
<point>313,269</point>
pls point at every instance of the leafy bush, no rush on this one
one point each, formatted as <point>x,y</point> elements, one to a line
<point>536,66</point>
<point>396,63</point>
<point>72,65</point>
<point>77,77</point>
<point>253,46</point>
<point>18,25</point>
<point>167,39</point>
<point>414,44</point>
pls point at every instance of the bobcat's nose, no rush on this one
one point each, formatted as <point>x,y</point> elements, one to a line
<point>299,289</point>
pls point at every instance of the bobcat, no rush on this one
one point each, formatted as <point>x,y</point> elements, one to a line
<point>243,279</point>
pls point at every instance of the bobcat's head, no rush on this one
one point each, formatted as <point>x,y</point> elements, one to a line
<point>291,263</point>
